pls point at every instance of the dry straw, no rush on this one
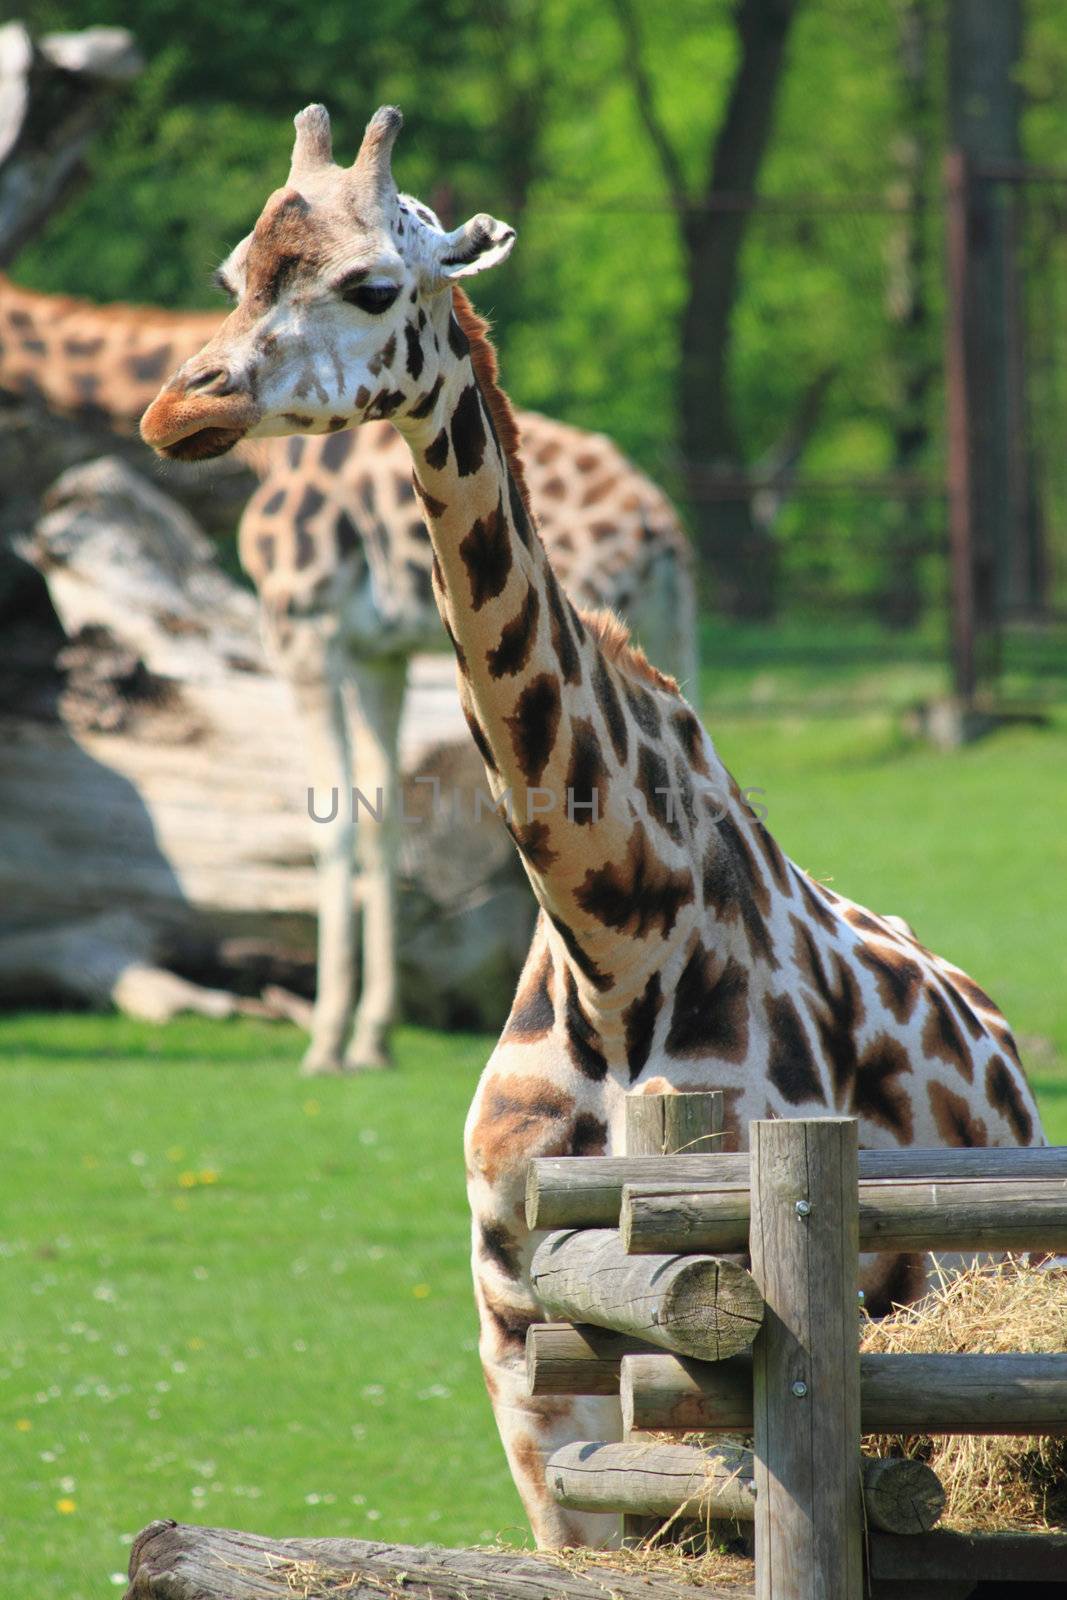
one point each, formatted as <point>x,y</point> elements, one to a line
<point>991,1483</point>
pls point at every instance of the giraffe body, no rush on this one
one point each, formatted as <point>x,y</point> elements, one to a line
<point>677,947</point>
<point>335,543</point>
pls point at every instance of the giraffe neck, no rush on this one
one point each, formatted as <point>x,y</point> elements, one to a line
<point>574,727</point>
<point>101,364</point>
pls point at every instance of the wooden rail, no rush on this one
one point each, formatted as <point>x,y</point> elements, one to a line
<point>693,1342</point>
<point>1002,1394</point>
<point>903,1497</point>
<point>586,1191</point>
<point>916,1214</point>
<point>693,1305</point>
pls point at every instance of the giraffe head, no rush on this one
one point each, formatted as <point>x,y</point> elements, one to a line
<point>341,305</point>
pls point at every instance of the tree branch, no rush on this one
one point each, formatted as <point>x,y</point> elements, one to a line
<point>642,86</point>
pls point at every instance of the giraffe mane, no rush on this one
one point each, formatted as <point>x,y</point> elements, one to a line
<point>608,631</point>
<point>612,636</point>
<point>483,360</point>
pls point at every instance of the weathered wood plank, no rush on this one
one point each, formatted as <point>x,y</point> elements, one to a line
<point>565,1358</point>
<point>170,1561</point>
<point>944,1214</point>
<point>805,1362</point>
<point>920,1393</point>
<point>586,1191</point>
<point>653,1479</point>
<point>946,1556</point>
<point>693,1305</point>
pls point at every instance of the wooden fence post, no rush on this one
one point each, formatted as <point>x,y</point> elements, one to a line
<point>806,1383</point>
<point>667,1125</point>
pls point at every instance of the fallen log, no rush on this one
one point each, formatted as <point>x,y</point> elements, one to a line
<point>586,1191</point>
<point>945,1214</point>
<point>153,792</point>
<point>693,1305</point>
<point>172,1561</point>
<point>912,1393</point>
<point>903,1497</point>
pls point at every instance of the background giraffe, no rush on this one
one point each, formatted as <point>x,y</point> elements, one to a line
<point>677,948</point>
<point>336,546</point>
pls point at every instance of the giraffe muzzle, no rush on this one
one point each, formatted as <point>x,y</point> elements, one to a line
<point>197,423</point>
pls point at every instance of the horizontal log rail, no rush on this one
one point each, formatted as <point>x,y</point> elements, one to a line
<point>586,1191</point>
<point>692,1305</point>
<point>577,1358</point>
<point>902,1497</point>
<point>907,1393</point>
<point>945,1556</point>
<point>170,1561</point>
<point>946,1214</point>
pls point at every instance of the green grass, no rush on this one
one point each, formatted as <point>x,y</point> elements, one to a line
<point>234,1297</point>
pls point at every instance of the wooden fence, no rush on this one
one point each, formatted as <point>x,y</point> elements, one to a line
<point>648,1309</point>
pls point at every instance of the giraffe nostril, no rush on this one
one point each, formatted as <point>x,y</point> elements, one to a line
<point>216,379</point>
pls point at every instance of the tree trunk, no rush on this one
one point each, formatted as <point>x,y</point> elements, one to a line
<point>737,555</point>
<point>173,1562</point>
<point>984,101</point>
<point>900,600</point>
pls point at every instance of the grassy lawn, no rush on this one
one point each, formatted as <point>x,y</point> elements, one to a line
<point>234,1297</point>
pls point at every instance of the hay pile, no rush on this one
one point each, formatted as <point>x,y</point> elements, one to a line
<point>996,1484</point>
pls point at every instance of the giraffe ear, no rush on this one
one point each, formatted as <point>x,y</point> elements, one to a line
<point>480,243</point>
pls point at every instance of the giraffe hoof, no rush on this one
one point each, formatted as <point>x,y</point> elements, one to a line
<point>320,1064</point>
<point>368,1058</point>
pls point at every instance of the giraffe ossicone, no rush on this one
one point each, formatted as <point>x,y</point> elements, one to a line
<point>675,950</point>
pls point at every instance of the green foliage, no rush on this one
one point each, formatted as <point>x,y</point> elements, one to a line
<point>524,107</point>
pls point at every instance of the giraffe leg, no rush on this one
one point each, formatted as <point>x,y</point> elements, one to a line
<point>378,703</point>
<point>322,712</point>
<point>517,1115</point>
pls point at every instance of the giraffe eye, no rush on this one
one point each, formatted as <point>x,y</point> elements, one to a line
<point>372,297</point>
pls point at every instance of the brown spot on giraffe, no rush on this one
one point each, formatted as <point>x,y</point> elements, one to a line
<point>733,888</point>
<point>517,637</point>
<point>639,1022</point>
<point>710,1015</point>
<point>510,1324</point>
<point>534,843</point>
<point>534,724</point>
<point>533,1014</point>
<point>955,1121</point>
<point>583,1041</point>
<point>791,1064</point>
<point>520,1117</point>
<point>636,895</point>
<point>486,554</point>
<point>878,1093</point>
<point>587,775</point>
<point>898,977</point>
<point>498,1245</point>
<point>1005,1097</point>
<point>942,1037</point>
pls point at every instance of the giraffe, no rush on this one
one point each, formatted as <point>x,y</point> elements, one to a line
<point>677,947</point>
<point>335,545</point>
